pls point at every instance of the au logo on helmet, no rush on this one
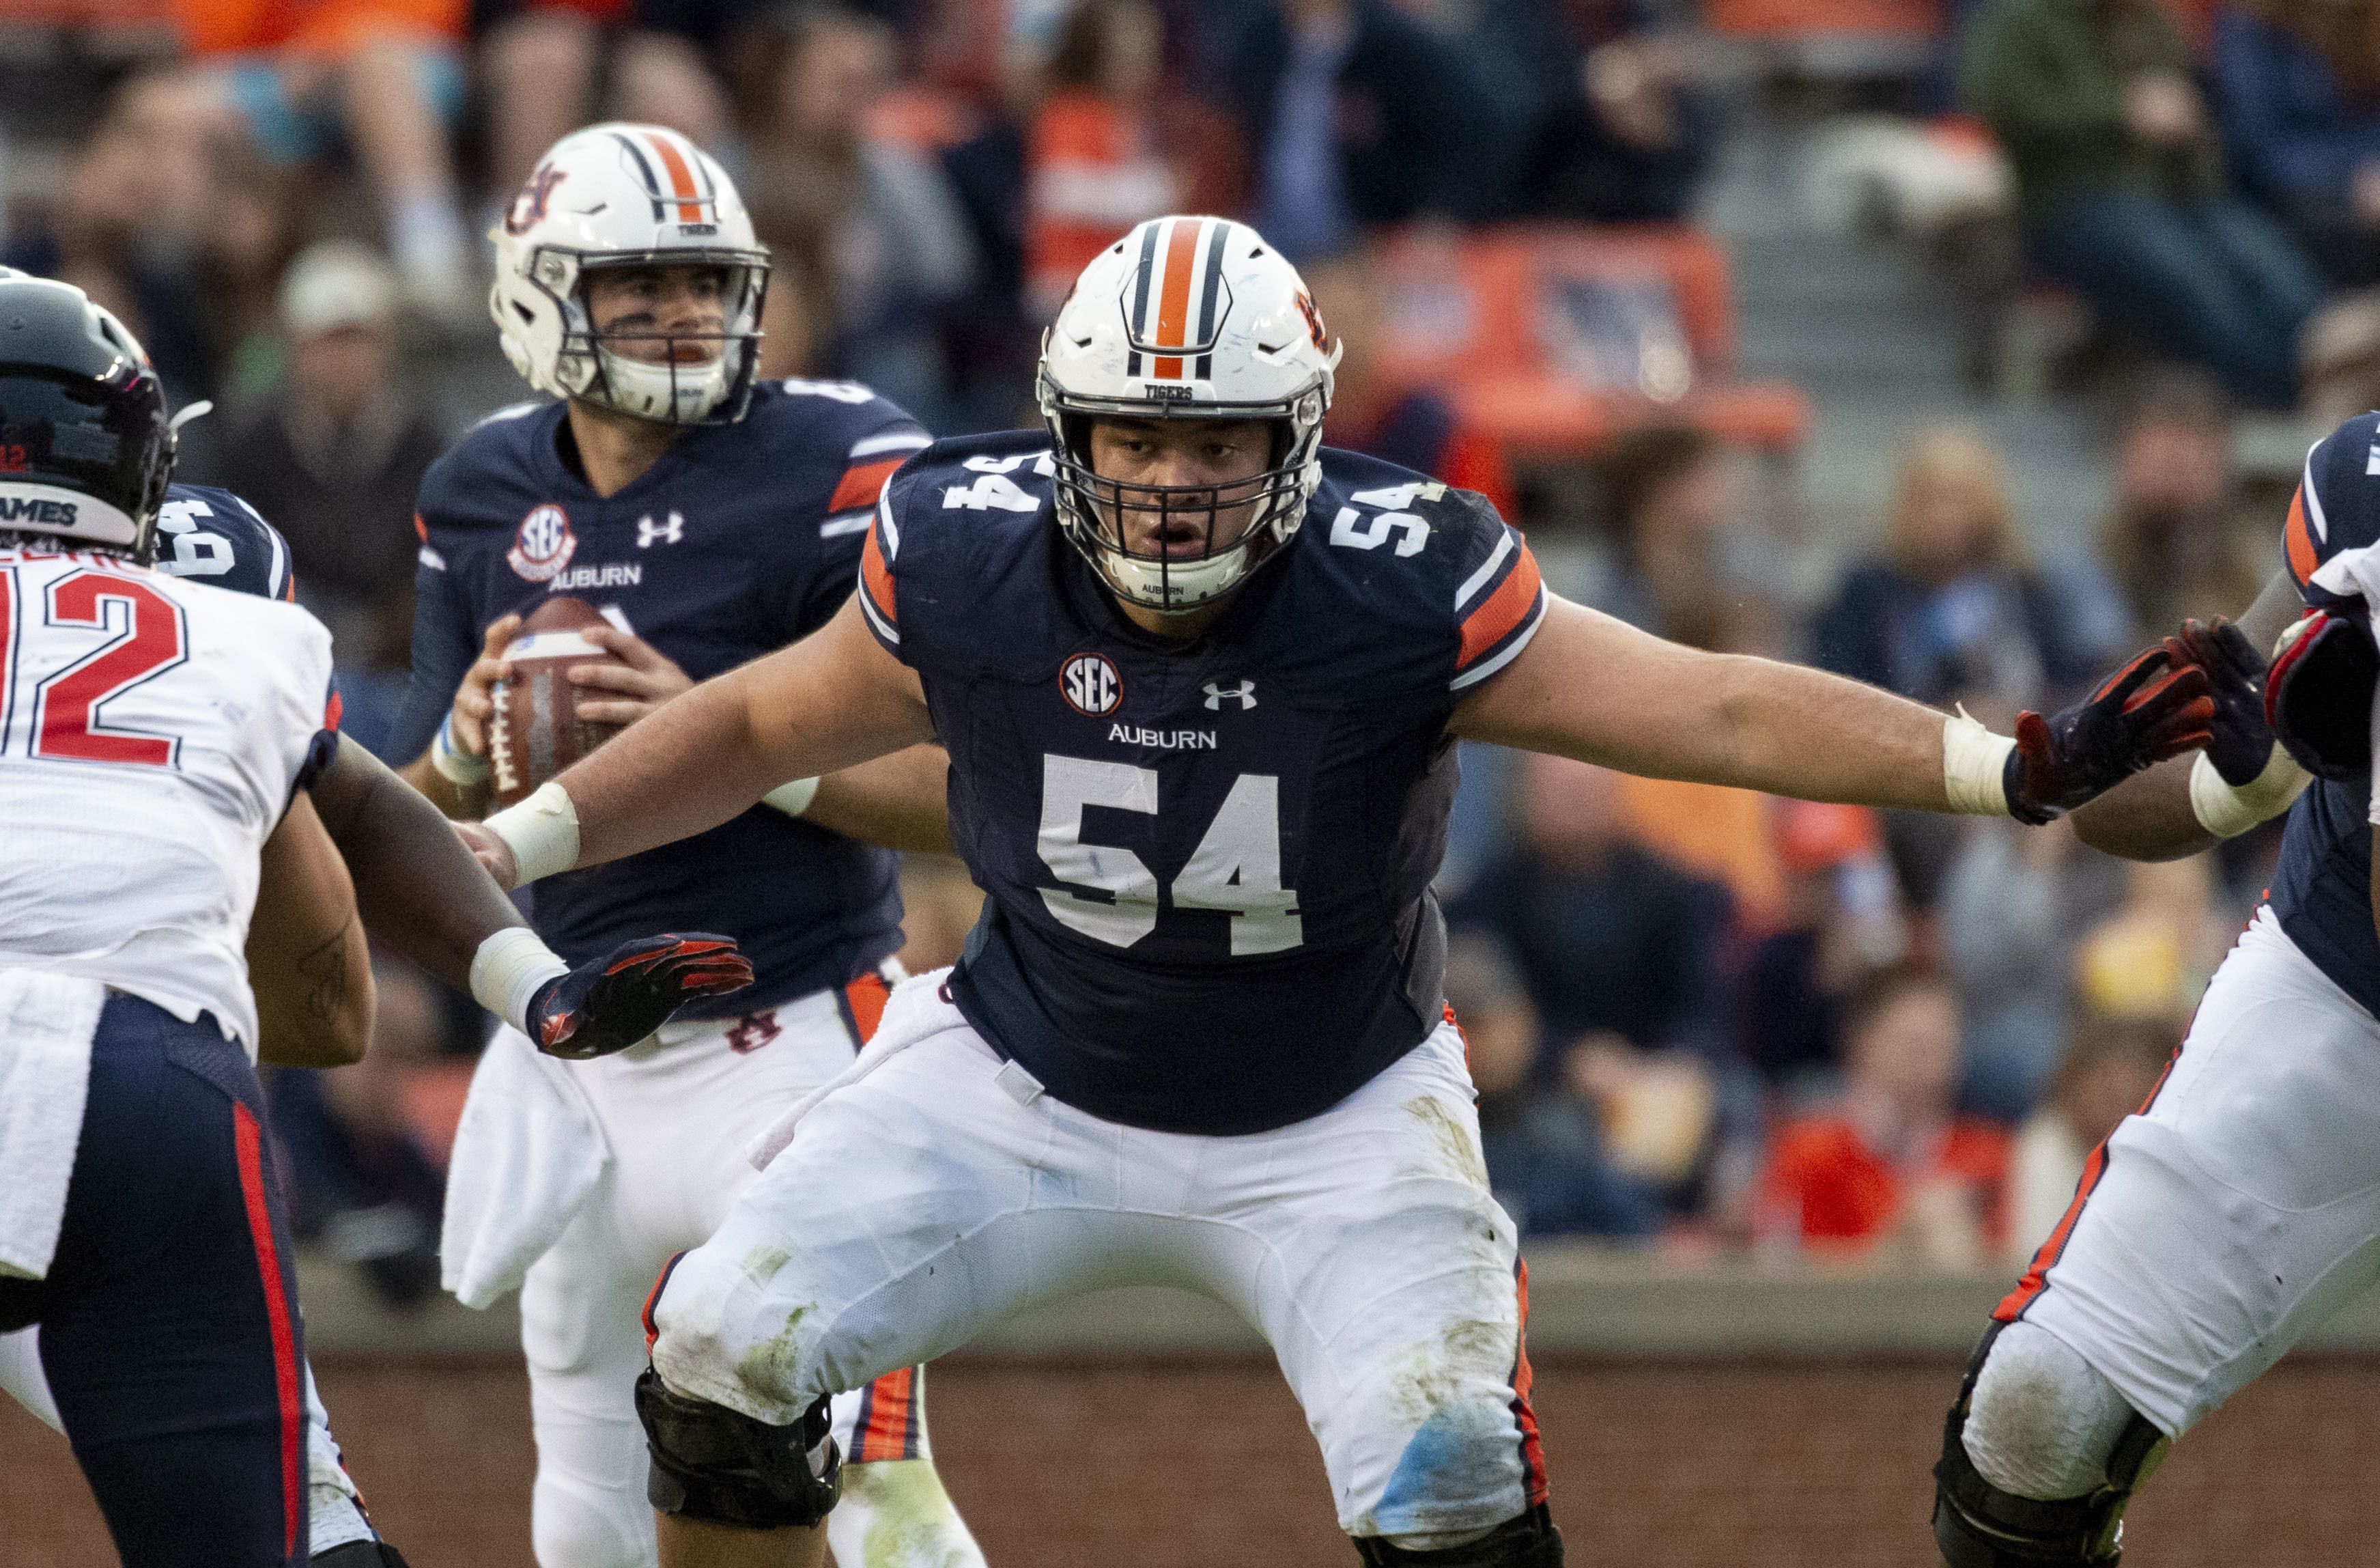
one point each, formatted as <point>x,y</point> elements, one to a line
<point>543,543</point>
<point>1089,683</point>
<point>529,205</point>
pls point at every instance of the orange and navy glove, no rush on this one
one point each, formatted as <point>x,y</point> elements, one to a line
<point>2152,708</point>
<point>612,1002</point>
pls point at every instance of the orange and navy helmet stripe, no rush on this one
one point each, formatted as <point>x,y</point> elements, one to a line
<point>688,182</point>
<point>1177,297</point>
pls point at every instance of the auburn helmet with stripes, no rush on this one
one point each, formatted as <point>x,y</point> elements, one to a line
<point>1186,318</point>
<point>628,196</point>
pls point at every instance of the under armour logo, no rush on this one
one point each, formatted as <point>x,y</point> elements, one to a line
<point>650,533</point>
<point>754,1030</point>
<point>1244,694</point>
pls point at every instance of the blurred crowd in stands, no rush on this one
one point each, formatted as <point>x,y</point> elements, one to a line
<point>1696,1015</point>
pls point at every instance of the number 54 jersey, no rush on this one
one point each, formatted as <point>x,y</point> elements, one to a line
<point>152,732</point>
<point>1207,867</point>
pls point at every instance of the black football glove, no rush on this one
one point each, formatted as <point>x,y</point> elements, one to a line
<point>2150,710</point>
<point>2243,742</point>
<point>612,1002</point>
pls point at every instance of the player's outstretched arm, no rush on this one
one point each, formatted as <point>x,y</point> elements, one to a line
<point>306,956</point>
<point>832,701</point>
<point>1594,688</point>
<point>418,890</point>
<point>2165,813</point>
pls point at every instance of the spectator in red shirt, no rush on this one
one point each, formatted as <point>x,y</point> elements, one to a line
<point>1092,164</point>
<point>1891,1173</point>
<point>1373,412</point>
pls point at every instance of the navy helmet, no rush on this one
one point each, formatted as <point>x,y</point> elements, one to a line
<point>86,448</point>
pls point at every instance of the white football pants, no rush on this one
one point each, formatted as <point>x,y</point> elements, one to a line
<point>677,1112</point>
<point>941,1192</point>
<point>2240,1209</point>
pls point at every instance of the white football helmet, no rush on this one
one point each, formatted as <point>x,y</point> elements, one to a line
<point>1185,318</point>
<point>622,196</point>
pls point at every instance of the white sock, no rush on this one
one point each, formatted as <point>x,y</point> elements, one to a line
<point>2043,1421</point>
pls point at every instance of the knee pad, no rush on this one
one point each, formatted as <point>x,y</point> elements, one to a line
<point>1977,1525</point>
<point>1529,1541</point>
<point>358,1555</point>
<point>723,1467</point>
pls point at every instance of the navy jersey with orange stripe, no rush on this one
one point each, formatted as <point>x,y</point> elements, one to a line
<point>2322,888</point>
<point>1208,867</point>
<point>742,537</point>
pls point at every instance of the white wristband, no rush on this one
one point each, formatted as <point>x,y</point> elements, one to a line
<point>542,831</point>
<point>1974,766</point>
<point>451,762</point>
<point>793,798</point>
<point>507,971</point>
<point>2228,812</point>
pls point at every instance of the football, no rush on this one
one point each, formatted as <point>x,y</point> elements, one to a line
<point>535,731</point>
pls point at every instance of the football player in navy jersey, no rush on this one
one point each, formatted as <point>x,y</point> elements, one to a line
<point>2237,1211</point>
<point>1199,681</point>
<point>712,518</point>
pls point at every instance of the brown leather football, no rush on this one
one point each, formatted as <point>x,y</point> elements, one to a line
<point>536,732</point>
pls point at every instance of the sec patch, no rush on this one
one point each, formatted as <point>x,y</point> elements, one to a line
<point>1089,683</point>
<point>543,543</point>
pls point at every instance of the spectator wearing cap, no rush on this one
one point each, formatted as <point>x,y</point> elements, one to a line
<point>335,456</point>
<point>1890,1172</point>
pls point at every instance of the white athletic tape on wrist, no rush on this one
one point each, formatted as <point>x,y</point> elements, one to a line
<point>1974,766</point>
<point>793,798</point>
<point>2227,812</point>
<point>451,762</point>
<point>507,971</point>
<point>542,831</point>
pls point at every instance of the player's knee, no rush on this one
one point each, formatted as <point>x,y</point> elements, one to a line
<point>1529,1541</point>
<point>2040,1453</point>
<point>722,1466</point>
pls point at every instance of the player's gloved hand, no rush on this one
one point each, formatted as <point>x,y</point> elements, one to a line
<point>612,1002</point>
<point>2242,740</point>
<point>2150,710</point>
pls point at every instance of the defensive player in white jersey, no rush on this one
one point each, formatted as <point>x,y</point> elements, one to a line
<point>1199,681</point>
<point>2240,1209</point>
<point>163,747</point>
<point>712,518</point>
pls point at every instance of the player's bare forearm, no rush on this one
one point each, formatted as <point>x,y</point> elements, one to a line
<point>462,803</point>
<point>832,701</point>
<point>2150,817</point>
<point>1596,689</point>
<point>897,802</point>
<point>2146,818</point>
<point>419,889</point>
<point>307,957</point>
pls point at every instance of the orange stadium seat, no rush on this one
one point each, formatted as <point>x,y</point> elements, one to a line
<point>1482,315</point>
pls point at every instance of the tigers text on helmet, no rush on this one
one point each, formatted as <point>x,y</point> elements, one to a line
<point>86,450</point>
<point>1185,318</point>
<point>623,196</point>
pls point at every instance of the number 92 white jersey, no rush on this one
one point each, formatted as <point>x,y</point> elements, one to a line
<point>152,733</point>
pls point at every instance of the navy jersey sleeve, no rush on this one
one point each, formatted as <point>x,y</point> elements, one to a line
<point>212,536</point>
<point>1500,600</point>
<point>445,640</point>
<point>2334,520</point>
<point>869,463</point>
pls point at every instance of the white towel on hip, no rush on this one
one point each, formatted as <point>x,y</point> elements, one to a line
<point>46,1022</point>
<point>527,1153</point>
<point>917,1010</point>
